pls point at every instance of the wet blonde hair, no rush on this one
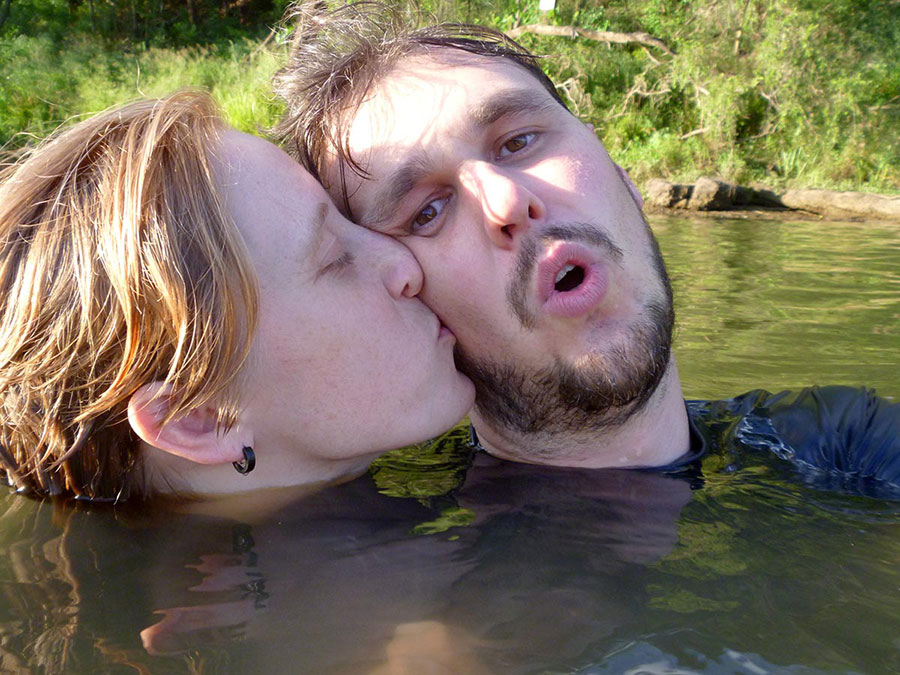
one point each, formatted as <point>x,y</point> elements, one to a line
<point>119,266</point>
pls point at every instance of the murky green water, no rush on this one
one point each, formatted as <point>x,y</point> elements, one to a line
<point>524,569</point>
<point>782,305</point>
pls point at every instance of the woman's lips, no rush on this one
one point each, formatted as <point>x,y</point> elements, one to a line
<point>589,291</point>
<point>443,331</point>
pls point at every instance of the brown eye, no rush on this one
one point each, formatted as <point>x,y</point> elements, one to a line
<point>516,144</point>
<point>425,216</point>
<point>421,221</point>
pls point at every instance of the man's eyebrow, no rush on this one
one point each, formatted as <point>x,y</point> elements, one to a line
<point>510,102</point>
<point>395,188</point>
<point>399,183</point>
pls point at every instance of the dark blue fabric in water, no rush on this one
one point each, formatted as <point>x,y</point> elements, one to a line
<point>835,437</point>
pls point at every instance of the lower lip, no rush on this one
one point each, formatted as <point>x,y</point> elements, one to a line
<point>445,332</point>
<point>581,300</point>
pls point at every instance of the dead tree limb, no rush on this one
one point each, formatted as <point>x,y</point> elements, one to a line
<point>695,132</point>
<point>598,35</point>
<point>262,45</point>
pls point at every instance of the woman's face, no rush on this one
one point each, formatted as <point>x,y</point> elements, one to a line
<point>347,362</point>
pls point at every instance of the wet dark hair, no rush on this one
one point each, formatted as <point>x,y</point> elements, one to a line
<point>337,57</point>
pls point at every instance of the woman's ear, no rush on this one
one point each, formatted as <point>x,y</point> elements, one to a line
<point>194,435</point>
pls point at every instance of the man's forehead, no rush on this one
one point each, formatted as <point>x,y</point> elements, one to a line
<point>440,58</point>
<point>433,66</point>
<point>449,86</point>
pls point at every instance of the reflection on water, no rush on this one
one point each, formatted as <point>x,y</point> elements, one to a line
<point>505,568</point>
<point>783,305</point>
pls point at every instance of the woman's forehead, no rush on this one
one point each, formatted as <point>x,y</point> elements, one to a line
<point>271,198</point>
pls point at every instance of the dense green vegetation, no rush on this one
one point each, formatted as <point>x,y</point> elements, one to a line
<point>802,92</point>
<point>60,59</point>
<point>786,92</point>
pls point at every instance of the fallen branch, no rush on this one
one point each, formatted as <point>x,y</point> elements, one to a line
<point>891,103</point>
<point>854,203</point>
<point>712,194</point>
<point>695,132</point>
<point>770,99</point>
<point>598,35</point>
<point>650,56</point>
<point>263,44</point>
<point>637,91</point>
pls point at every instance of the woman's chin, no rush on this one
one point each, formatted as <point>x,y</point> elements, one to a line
<point>454,407</point>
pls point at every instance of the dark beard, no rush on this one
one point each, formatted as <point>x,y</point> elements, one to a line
<point>602,392</point>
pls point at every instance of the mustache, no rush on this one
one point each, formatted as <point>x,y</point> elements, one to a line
<point>526,261</point>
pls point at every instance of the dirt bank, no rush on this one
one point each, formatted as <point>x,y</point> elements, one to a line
<point>718,198</point>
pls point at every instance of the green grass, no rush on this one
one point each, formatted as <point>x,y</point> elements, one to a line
<point>43,86</point>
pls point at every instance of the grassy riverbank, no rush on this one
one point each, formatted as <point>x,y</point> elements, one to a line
<point>784,92</point>
<point>44,85</point>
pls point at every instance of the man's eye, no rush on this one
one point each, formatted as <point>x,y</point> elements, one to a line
<point>431,211</point>
<point>515,144</point>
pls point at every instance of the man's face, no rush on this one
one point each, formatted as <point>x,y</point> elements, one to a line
<point>535,253</point>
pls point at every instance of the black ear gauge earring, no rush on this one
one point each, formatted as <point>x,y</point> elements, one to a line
<point>247,464</point>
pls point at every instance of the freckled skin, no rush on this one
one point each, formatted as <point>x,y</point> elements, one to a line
<point>347,361</point>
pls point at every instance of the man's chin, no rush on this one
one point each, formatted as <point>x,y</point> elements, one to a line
<point>603,391</point>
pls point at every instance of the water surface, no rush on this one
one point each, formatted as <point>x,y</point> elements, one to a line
<point>524,569</point>
<point>784,305</point>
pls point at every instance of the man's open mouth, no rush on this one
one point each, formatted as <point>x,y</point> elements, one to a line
<point>569,278</point>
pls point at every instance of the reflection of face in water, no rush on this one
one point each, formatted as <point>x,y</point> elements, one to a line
<point>234,573</point>
<point>547,549</point>
<point>338,582</point>
<point>632,512</point>
<point>557,555</point>
<point>78,582</point>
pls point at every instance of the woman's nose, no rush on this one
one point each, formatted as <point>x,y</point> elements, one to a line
<point>400,271</point>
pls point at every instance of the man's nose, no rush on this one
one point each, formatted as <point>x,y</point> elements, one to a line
<point>509,208</point>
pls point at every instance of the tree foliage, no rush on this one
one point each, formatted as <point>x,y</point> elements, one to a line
<point>152,22</point>
<point>787,92</point>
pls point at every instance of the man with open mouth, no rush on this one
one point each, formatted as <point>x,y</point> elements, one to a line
<point>535,250</point>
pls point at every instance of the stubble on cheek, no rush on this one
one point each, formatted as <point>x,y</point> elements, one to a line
<point>517,289</point>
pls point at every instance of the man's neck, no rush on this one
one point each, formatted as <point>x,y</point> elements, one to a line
<point>656,435</point>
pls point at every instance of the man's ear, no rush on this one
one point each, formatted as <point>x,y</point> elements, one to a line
<point>632,188</point>
<point>623,174</point>
<point>193,436</point>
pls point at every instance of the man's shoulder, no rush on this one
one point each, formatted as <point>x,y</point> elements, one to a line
<point>836,404</point>
<point>843,431</point>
